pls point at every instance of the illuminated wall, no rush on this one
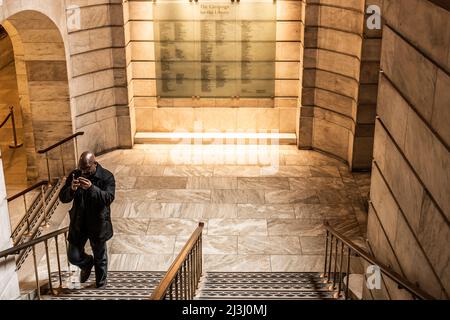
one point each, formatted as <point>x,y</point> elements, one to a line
<point>219,113</point>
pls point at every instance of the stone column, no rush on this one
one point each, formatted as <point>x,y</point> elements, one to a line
<point>9,283</point>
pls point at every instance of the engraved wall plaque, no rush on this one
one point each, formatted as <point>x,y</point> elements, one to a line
<point>215,49</point>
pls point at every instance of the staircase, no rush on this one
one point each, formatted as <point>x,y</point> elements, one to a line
<point>138,285</point>
<point>35,217</point>
<point>122,285</point>
<point>264,286</point>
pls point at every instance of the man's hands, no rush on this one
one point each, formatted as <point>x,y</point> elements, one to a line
<point>80,182</point>
<point>85,183</point>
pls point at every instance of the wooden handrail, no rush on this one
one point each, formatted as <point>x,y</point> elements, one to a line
<point>21,193</point>
<point>383,268</point>
<point>161,290</point>
<point>16,249</point>
<point>61,142</point>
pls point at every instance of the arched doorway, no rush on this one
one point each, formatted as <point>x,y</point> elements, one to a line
<point>41,101</point>
<point>42,89</point>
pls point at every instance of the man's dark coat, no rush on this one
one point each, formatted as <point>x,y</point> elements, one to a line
<point>90,215</point>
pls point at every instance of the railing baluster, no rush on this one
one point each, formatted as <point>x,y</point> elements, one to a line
<point>48,267</point>
<point>196,262</point>
<point>185,281</point>
<point>335,263</point>
<point>176,286</point>
<point>67,254</point>
<point>44,208</point>
<point>36,274</point>
<point>200,257</point>
<point>348,274</point>
<point>62,160</point>
<point>191,273</point>
<point>27,216</point>
<point>184,272</point>
<point>189,276</point>
<point>326,255</point>
<point>76,152</point>
<point>330,256</point>
<point>48,167</point>
<point>59,262</point>
<point>340,269</point>
<point>181,284</point>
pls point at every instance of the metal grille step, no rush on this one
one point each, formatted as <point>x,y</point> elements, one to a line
<point>264,285</point>
<point>122,285</point>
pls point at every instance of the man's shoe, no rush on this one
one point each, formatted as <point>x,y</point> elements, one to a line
<point>102,284</point>
<point>86,272</point>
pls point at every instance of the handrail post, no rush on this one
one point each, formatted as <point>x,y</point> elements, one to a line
<point>76,152</point>
<point>27,217</point>
<point>326,255</point>
<point>36,274</point>
<point>348,274</point>
<point>340,269</point>
<point>335,263</point>
<point>62,160</point>
<point>59,262</point>
<point>48,167</point>
<point>15,145</point>
<point>48,267</point>
<point>330,258</point>
<point>45,222</point>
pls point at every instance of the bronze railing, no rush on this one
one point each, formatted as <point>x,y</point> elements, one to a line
<point>16,250</point>
<point>60,145</point>
<point>339,248</point>
<point>15,144</point>
<point>183,276</point>
<point>25,221</point>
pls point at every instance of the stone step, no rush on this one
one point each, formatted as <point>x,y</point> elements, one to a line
<point>264,285</point>
<point>122,285</point>
<point>215,137</point>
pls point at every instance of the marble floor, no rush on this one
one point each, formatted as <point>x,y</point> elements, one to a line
<point>263,207</point>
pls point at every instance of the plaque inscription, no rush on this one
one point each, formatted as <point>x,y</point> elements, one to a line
<point>215,49</point>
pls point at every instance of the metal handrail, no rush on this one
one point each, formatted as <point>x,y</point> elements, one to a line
<point>26,216</point>
<point>183,276</point>
<point>16,250</point>
<point>15,145</point>
<point>6,119</point>
<point>23,192</point>
<point>337,275</point>
<point>60,144</point>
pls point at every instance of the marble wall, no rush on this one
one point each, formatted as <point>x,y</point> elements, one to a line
<point>70,62</point>
<point>340,80</point>
<point>150,114</point>
<point>9,284</point>
<point>408,225</point>
<point>365,113</point>
<point>333,50</point>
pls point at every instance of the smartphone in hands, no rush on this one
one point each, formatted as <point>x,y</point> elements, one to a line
<point>76,174</point>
